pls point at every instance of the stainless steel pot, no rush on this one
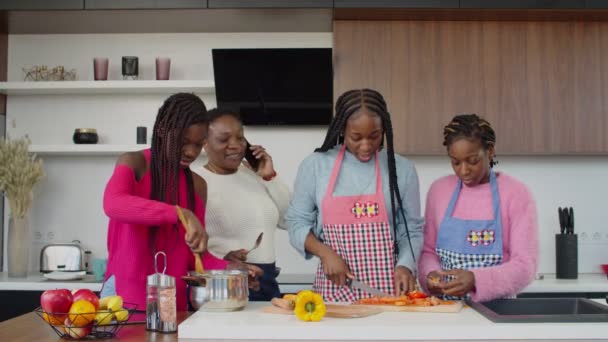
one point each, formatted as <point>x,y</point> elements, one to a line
<point>225,290</point>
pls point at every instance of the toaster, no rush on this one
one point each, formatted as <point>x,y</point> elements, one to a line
<point>66,257</point>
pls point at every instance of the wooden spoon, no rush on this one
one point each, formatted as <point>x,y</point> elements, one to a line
<point>198,263</point>
<point>194,281</point>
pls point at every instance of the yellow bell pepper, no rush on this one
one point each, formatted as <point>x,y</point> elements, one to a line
<point>309,306</point>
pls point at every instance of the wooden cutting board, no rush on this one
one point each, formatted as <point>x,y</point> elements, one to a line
<point>333,310</point>
<point>451,308</point>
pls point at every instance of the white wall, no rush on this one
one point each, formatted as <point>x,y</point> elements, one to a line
<point>68,202</point>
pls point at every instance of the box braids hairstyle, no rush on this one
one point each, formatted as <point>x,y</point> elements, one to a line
<point>177,113</point>
<point>348,104</point>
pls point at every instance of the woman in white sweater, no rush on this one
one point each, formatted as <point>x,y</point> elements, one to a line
<point>244,199</point>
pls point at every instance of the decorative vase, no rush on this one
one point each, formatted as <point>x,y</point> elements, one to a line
<point>18,244</point>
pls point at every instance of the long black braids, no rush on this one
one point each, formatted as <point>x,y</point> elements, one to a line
<point>177,113</point>
<point>349,103</point>
<point>470,126</point>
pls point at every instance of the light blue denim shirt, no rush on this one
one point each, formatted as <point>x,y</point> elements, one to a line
<point>355,177</point>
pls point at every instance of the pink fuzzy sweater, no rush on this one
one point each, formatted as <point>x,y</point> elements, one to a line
<point>519,226</point>
<point>127,203</point>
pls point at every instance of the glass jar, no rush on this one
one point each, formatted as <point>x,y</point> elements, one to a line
<point>161,305</point>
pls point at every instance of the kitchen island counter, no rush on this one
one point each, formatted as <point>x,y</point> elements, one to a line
<point>250,324</point>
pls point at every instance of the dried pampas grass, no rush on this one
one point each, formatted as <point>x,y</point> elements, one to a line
<point>19,173</point>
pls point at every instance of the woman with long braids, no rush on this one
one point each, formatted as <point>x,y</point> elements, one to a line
<point>141,199</point>
<point>356,204</point>
<point>481,232</point>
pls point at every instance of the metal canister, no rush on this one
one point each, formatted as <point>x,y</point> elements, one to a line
<point>161,306</point>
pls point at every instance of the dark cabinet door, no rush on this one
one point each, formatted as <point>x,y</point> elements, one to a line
<point>396,3</point>
<point>144,4</point>
<point>597,4</point>
<point>16,303</point>
<point>271,3</point>
<point>523,4</point>
<point>27,5</point>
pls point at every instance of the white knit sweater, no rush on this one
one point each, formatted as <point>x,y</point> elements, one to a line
<point>239,207</point>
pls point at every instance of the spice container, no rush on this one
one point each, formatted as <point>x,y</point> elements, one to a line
<point>161,306</point>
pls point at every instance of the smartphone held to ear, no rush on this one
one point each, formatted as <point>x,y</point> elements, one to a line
<point>255,163</point>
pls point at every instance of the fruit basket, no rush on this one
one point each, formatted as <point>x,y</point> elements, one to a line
<point>96,325</point>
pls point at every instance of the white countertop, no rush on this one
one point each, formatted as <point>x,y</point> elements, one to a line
<point>250,324</point>
<point>587,282</point>
<point>36,282</point>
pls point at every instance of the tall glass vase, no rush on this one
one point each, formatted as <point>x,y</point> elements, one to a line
<point>17,246</point>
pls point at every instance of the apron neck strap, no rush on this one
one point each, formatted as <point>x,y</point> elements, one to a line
<point>493,188</point>
<point>336,171</point>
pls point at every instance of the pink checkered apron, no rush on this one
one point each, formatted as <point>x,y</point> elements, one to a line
<point>358,230</point>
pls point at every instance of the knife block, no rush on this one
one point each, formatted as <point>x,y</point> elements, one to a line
<point>566,256</point>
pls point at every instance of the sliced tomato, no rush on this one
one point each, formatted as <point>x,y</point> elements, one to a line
<point>416,295</point>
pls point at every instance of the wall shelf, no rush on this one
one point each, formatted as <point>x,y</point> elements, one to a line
<point>106,87</point>
<point>84,149</point>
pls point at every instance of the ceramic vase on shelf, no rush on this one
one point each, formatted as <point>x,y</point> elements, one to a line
<point>18,246</point>
<point>21,171</point>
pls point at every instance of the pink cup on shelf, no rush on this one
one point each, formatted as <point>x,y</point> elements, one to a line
<point>163,68</point>
<point>100,68</point>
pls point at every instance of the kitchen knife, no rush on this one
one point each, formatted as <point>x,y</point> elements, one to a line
<point>352,283</point>
<point>562,227</point>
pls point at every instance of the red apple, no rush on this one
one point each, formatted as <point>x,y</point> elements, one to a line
<point>56,303</point>
<point>88,295</point>
<point>76,332</point>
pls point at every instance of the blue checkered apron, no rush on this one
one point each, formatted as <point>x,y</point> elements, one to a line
<point>466,244</point>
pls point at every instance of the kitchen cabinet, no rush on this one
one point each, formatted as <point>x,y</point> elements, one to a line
<point>540,84</point>
<point>479,4</point>
<point>271,3</point>
<point>16,303</point>
<point>144,4</point>
<point>597,4</point>
<point>523,4</point>
<point>41,5</point>
<point>396,3</point>
<point>22,295</point>
<point>192,4</point>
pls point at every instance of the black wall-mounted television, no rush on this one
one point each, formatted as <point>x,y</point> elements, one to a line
<point>291,86</point>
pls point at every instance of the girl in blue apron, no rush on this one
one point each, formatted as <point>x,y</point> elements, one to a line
<point>489,249</point>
